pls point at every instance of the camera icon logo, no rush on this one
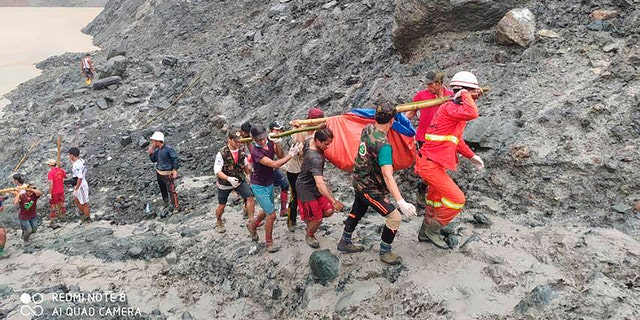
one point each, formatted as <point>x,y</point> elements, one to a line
<point>26,309</point>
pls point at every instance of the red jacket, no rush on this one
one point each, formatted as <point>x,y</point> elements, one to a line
<point>426,114</point>
<point>443,139</point>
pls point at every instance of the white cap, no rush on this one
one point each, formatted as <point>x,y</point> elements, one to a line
<point>464,79</point>
<point>158,136</point>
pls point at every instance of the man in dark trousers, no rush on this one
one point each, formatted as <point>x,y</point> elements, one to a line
<point>372,182</point>
<point>166,159</point>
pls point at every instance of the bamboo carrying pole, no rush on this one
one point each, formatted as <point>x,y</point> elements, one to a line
<point>286,133</point>
<point>11,190</point>
<point>59,144</point>
<point>26,155</point>
<point>411,106</point>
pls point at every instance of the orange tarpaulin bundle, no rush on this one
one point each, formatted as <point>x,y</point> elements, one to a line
<point>347,129</point>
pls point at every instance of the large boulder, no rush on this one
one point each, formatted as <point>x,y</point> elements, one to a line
<point>414,19</point>
<point>517,27</point>
<point>105,82</point>
<point>115,66</point>
<point>324,265</point>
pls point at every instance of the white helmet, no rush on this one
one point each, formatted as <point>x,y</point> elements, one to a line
<point>464,79</point>
<point>158,136</point>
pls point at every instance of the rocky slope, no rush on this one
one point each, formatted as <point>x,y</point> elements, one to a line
<point>559,133</point>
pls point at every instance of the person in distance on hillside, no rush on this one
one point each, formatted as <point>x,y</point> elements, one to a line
<point>435,89</point>
<point>87,69</point>
<point>372,182</point>
<point>263,155</point>
<point>57,208</point>
<point>293,167</point>
<point>279,179</point>
<point>166,160</point>
<point>443,142</point>
<point>81,187</point>
<point>316,200</point>
<point>231,167</point>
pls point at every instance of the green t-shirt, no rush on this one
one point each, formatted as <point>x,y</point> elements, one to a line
<point>385,157</point>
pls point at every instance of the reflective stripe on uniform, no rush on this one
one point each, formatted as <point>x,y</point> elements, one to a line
<point>445,202</point>
<point>434,204</point>
<point>450,204</point>
<point>435,137</point>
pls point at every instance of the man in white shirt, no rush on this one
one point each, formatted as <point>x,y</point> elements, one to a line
<point>231,167</point>
<point>81,187</point>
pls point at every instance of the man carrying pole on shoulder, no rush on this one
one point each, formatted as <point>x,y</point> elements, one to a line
<point>372,181</point>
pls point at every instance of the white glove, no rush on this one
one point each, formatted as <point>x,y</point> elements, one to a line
<point>295,149</point>
<point>234,181</point>
<point>477,161</point>
<point>406,208</point>
<point>459,94</point>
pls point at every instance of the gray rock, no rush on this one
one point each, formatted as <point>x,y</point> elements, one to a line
<point>106,82</point>
<point>547,34</point>
<point>516,28</point>
<point>324,266</point>
<point>163,105</point>
<point>143,142</point>
<point>250,35</point>
<point>5,291</point>
<point>414,19</point>
<point>120,50</point>
<point>125,140</point>
<point>219,121</point>
<point>186,316</point>
<point>172,258</point>
<point>535,300</point>
<point>276,293</point>
<point>170,61</point>
<point>158,71</point>
<point>116,66</point>
<point>102,103</point>
<point>147,67</point>
<point>277,10</point>
<point>72,109</point>
<point>135,251</point>
<point>189,232</point>
<point>132,101</point>
<point>329,5</point>
<point>622,208</point>
<point>596,25</point>
<point>492,132</point>
<point>258,36</point>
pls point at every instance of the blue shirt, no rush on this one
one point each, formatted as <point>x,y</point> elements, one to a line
<point>166,158</point>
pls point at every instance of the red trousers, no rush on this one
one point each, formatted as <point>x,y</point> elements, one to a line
<point>444,198</point>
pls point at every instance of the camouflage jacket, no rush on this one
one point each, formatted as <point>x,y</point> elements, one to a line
<point>367,175</point>
<point>230,167</point>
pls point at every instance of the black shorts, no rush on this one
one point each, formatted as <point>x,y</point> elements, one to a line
<point>243,190</point>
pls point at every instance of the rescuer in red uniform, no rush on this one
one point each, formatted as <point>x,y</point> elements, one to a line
<point>439,153</point>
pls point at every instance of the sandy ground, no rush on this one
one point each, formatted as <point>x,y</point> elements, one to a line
<point>30,35</point>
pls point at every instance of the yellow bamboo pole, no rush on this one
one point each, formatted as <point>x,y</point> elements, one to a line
<point>286,133</point>
<point>26,155</point>
<point>14,189</point>
<point>411,106</point>
<point>59,143</point>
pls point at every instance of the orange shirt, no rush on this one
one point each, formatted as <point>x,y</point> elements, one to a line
<point>443,139</point>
